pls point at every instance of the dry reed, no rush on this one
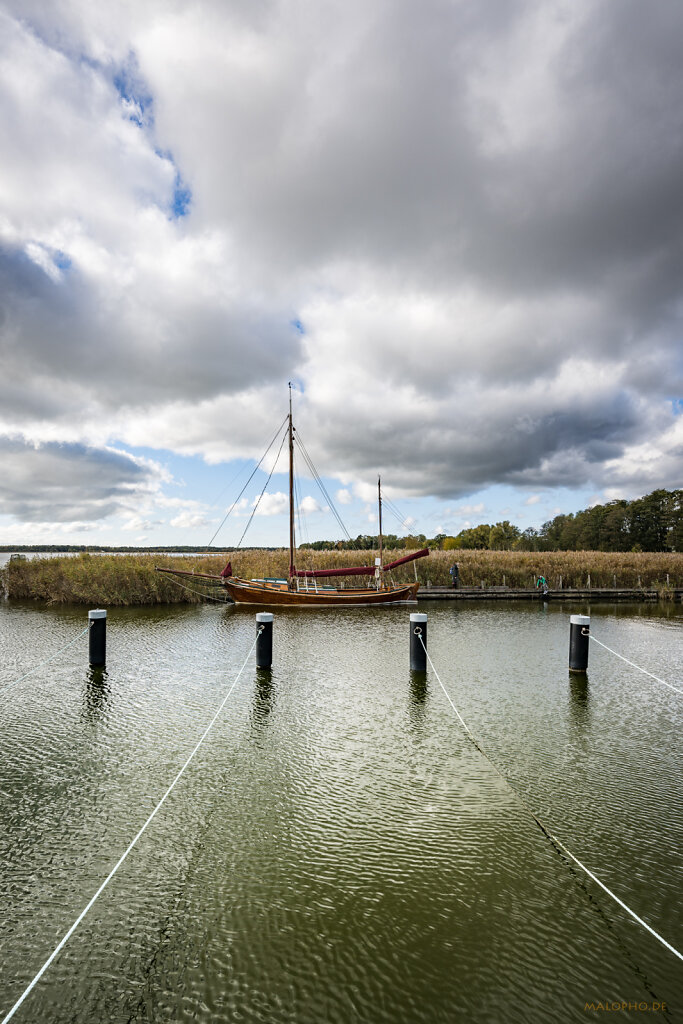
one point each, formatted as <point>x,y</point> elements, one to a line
<point>111,580</point>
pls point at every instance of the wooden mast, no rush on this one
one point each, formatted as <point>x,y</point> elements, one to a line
<point>291,488</point>
<point>379,499</point>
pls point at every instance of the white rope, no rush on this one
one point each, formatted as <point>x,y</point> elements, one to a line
<point>47,660</point>
<point>538,821</point>
<point>633,664</point>
<point>120,861</point>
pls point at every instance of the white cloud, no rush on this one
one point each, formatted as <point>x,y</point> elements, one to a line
<point>309,505</point>
<point>137,523</point>
<point>276,504</point>
<point>183,185</point>
<point>468,510</point>
<point>187,520</point>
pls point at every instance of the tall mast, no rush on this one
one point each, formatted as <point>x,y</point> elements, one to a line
<point>379,498</point>
<point>291,486</point>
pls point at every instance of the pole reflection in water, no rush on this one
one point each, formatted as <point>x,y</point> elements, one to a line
<point>417,700</point>
<point>578,699</point>
<point>263,699</point>
<point>96,695</point>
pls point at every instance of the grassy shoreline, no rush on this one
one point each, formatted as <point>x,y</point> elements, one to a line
<point>130,579</point>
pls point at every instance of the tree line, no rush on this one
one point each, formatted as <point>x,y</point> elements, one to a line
<point>651,523</point>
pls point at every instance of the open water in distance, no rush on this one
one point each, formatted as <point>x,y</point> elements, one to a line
<point>338,851</point>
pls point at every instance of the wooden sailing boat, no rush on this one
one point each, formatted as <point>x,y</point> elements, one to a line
<point>302,587</point>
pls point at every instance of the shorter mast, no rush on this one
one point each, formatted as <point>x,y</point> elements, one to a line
<point>292,570</point>
<point>379,500</point>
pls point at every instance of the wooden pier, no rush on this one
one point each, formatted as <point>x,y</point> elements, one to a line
<point>428,593</point>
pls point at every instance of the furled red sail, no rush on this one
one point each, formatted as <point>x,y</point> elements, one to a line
<point>361,570</point>
<point>407,558</point>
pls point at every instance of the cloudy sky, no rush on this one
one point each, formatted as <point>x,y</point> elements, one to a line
<point>457,227</point>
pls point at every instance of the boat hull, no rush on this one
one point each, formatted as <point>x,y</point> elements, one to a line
<point>255,593</point>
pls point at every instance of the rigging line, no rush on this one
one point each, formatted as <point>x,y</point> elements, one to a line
<point>40,665</point>
<point>303,534</point>
<point>321,485</point>
<point>275,437</point>
<point>538,821</point>
<point>258,502</point>
<point>633,664</point>
<point>120,861</point>
<point>396,512</point>
<point>218,600</point>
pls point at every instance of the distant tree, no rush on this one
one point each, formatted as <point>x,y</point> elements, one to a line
<point>615,532</point>
<point>476,537</point>
<point>414,541</point>
<point>528,540</point>
<point>674,540</point>
<point>502,536</point>
<point>648,521</point>
<point>452,543</point>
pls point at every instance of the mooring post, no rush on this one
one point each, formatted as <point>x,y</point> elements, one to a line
<point>97,636</point>
<point>579,629</point>
<point>418,637</point>
<point>264,639</point>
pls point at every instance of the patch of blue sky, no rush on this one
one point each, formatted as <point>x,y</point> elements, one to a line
<point>528,507</point>
<point>182,198</point>
<point>298,326</point>
<point>61,260</point>
<point>677,406</point>
<point>215,487</point>
<point>137,99</point>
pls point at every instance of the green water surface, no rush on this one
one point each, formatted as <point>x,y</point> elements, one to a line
<point>338,850</point>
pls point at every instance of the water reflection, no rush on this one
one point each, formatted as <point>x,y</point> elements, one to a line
<point>264,697</point>
<point>578,701</point>
<point>96,695</point>
<point>417,699</point>
<point>332,852</point>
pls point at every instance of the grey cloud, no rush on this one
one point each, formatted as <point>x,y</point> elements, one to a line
<point>67,482</point>
<point>362,152</point>
<point>67,331</point>
<point>463,449</point>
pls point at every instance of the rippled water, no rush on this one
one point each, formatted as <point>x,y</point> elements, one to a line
<point>338,850</point>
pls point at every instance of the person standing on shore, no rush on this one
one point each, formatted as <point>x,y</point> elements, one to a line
<point>455,575</point>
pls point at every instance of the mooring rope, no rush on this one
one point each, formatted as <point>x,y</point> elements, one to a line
<point>633,664</point>
<point>553,839</point>
<point>52,657</point>
<point>218,600</point>
<point>121,859</point>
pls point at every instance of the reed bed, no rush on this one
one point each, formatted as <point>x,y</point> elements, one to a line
<point>111,580</point>
<point>566,569</point>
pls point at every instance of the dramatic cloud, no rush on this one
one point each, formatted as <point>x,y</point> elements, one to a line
<point>63,483</point>
<point>457,227</point>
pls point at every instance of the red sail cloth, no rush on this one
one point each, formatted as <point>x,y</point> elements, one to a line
<point>407,558</point>
<point>361,570</point>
